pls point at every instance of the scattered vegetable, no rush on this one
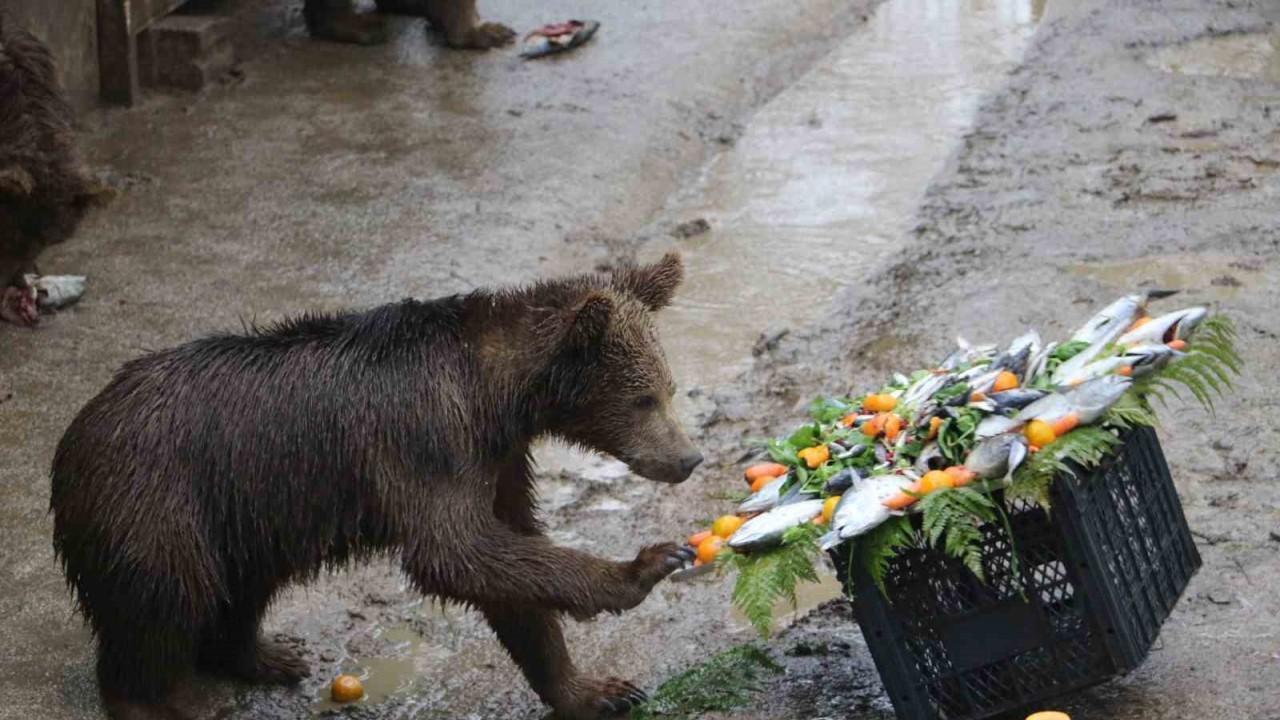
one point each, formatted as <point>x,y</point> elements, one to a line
<point>768,470</point>
<point>710,548</point>
<point>1005,381</point>
<point>346,688</point>
<point>726,525</point>
<point>815,456</point>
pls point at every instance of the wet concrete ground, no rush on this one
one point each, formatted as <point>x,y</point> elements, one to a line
<point>337,176</point>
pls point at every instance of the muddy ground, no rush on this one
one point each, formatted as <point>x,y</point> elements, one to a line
<point>1134,146</point>
<point>328,176</point>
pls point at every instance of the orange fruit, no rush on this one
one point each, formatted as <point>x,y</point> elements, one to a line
<point>708,549</point>
<point>829,508</point>
<point>1177,344</point>
<point>961,474</point>
<point>815,456</point>
<point>873,427</point>
<point>1049,715</point>
<point>346,688</point>
<point>1125,370</point>
<point>769,470</point>
<point>849,419</point>
<point>935,423</point>
<point>978,396</point>
<point>761,482</point>
<point>726,525</point>
<point>879,403</point>
<point>1065,424</point>
<point>1039,433</point>
<point>892,426</point>
<point>936,480</point>
<point>696,539</point>
<point>1005,381</point>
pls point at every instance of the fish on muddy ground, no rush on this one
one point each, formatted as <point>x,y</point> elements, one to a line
<point>767,529</point>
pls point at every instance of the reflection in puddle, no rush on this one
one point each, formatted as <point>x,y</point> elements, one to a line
<point>1218,277</point>
<point>1251,55</point>
<point>383,676</point>
<point>824,181</point>
<point>808,597</point>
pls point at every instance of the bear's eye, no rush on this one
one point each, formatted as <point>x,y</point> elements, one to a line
<point>645,402</point>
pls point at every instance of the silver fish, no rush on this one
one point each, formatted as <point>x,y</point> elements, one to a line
<point>993,425</point>
<point>998,456</point>
<point>1090,401</point>
<point>1140,360</point>
<point>765,530</point>
<point>841,481</point>
<point>1177,325</point>
<point>966,353</point>
<point>1014,399</point>
<point>930,458</point>
<point>1114,319</point>
<point>1039,362</point>
<point>862,508</point>
<point>764,499</point>
<point>924,389</point>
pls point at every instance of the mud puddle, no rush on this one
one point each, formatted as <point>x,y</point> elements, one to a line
<point>1217,278</point>
<point>1242,55</point>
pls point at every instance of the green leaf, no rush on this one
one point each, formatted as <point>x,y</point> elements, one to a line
<point>726,681</point>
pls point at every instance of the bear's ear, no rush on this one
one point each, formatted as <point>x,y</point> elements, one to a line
<point>590,321</point>
<point>654,285</point>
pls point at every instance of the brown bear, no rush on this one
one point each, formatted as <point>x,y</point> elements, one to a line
<point>206,477</point>
<point>44,192</point>
<point>456,20</point>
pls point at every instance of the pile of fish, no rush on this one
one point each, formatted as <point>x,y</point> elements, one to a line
<point>975,417</point>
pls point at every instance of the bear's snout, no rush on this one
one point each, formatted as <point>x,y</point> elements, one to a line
<point>689,462</point>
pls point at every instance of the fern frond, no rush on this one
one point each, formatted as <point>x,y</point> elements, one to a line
<point>955,517</point>
<point>1084,447</point>
<point>768,577</point>
<point>878,547</point>
<point>724,682</point>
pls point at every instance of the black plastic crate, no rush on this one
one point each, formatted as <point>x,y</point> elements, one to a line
<point>1093,582</point>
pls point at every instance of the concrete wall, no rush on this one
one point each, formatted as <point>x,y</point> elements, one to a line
<point>69,27</point>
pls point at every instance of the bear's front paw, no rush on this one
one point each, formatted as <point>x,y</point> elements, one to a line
<point>592,699</point>
<point>654,563</point>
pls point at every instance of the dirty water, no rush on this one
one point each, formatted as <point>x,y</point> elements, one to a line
<point>1254,56</point>
<point>1207,277</point>
<point>824,180</point>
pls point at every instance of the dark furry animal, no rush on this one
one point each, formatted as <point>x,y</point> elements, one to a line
<point>44,193</point>
<point>206,477</point>
<point>457,20</point>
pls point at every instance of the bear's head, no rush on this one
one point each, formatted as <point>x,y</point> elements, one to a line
<point>621,400</point>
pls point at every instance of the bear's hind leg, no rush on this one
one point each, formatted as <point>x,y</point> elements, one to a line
<point>459,22</point>
<point>336,20</point>
<point>234,647</point>
<point>533,638</point>
<point>138,669</point>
